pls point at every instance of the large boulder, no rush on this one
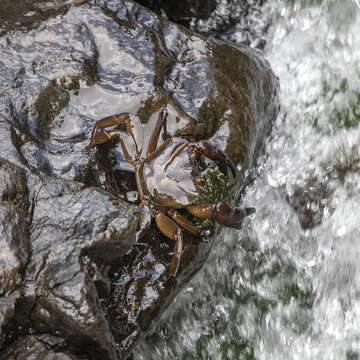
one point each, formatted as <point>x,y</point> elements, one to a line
<point>73,282</point>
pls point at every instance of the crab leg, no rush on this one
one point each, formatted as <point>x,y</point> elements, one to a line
<point>99,135</point>
<point>212,152</point>
<point>202,211</point>
<point>185,223</point>
<point>160,124</point>
<point>171,230</point>
<point>221,213</point>
<point>177,151</point>
<point>144,221</point>
<point>104,130</point>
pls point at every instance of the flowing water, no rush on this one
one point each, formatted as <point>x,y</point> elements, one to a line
<point>287,286</point>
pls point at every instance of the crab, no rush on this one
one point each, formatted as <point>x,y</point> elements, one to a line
<point>167,178</point>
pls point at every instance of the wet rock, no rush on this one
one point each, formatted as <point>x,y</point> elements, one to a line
<point>14,242</point>
<point>37,347</point>
<point>181,11</point>
<point>14,239</point>
<point>76,233</point>
<point>7,311</point>
<point>142,287</point>
<point>309,201</point>
<point>29,14</point>
<point>237,21</point>
<point>77,277</point>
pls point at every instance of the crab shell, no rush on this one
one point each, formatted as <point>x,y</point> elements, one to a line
<point>169,178</point>
<point>166,178</point>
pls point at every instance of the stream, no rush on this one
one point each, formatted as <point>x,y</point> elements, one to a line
<point>287,286</point>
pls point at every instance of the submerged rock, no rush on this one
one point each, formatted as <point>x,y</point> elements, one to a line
<point>73,283</point>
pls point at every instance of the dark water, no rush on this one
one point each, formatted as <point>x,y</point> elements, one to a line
<point>287,286</point>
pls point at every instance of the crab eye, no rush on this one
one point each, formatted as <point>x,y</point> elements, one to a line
<point>199,180</point>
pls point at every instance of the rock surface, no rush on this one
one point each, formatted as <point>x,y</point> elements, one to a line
<point>237,21</point>
<point>181,11</point>
<point>72,282</point>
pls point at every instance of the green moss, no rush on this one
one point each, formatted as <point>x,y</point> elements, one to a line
<point>305,297</point>
<point>346,159</point>
<point>214,188</point>
<point>347,117</point>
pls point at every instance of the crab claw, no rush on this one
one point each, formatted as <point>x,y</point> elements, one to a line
<point>230,217</point>
<point>212,152</point>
